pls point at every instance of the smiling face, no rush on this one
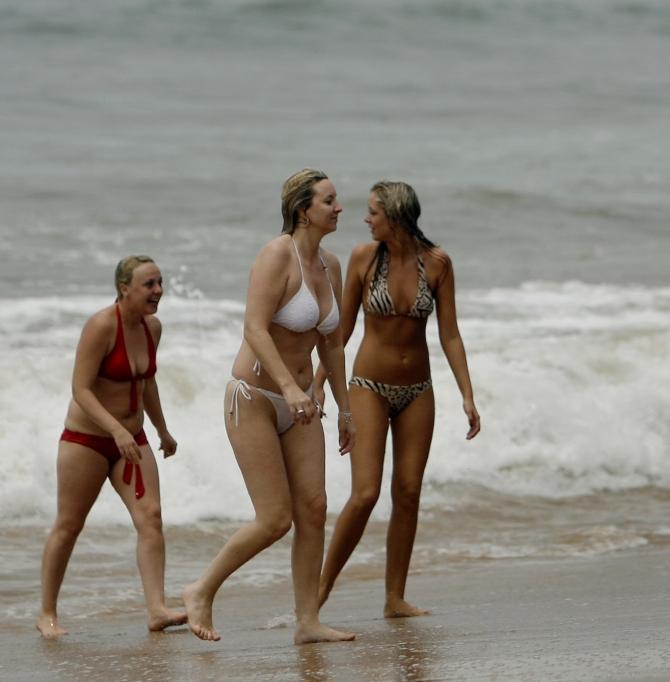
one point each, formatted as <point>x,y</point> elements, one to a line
<point>380,227</point>
<point>325,208</point>
<point>145,288</point>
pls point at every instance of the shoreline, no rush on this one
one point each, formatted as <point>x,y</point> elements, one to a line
<point>597,618</point>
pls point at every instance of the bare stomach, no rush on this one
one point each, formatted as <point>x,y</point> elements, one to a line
<point>296,358</point>
<point>392,364</point>
<point>115,398</point>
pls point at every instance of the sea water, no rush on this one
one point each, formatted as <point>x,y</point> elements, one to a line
<point>536,135</point>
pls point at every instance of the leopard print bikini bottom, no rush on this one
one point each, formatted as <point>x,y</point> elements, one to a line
<point>397,397</point>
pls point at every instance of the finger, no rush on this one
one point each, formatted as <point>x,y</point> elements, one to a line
<point>346,443</point>
<point>473,432</point>
<point>130,456</point>
<point>137,453</point>
<point>305,413</point>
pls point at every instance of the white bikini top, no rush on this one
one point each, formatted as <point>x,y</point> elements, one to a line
<point>301,313</point>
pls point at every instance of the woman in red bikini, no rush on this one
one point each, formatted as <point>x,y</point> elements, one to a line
<point>113,384</point>
<point>399,279</point>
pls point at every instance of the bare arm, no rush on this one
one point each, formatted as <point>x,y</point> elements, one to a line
<point>152,402</point>
<point>349,306</point>
<point>90,352</point>
<point>331,354</point>
<point>452,343</point>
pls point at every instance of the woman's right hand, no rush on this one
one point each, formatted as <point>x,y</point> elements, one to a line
<point>127,446</point>
<point>302,407</point>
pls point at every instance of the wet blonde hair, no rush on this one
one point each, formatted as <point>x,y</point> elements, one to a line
<point>124,271</point>
<point>297,194</point>
<point>402,208</point>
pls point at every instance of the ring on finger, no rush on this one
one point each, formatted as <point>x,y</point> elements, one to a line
<point>300,412</point>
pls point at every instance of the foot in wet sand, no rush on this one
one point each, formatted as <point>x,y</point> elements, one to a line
<point>399,608</point>
<point>159,620</point>
<point>306,634</point>
<point>199,612</point>
<point>49,627</point>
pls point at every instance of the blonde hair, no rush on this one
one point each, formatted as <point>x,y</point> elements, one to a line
<point>402,208</point>
<point>124,271</point>
<point>297,194</point>
<point>400,203</point>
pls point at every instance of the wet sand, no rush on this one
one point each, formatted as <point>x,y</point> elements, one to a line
<point>601,618</point>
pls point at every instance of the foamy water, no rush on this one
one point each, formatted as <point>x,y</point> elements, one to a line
<point>536,135</point>
<point>570,380</point>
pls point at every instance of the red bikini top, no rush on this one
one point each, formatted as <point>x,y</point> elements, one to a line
<point>115,366</point>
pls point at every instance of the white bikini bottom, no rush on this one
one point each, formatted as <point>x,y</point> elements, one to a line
<point>282,410</point>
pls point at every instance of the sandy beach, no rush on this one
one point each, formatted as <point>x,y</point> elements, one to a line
<point>601,618</point>
<point>536,135</point>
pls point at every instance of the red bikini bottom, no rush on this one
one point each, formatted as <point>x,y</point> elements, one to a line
<point>105,446</point>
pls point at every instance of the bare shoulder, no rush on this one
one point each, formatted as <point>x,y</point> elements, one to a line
<point>363,254</point>
<point>365,250</point>
<point>99,331</point>
<point>278,246</point>
<point>438,263</point>
<point>102,322</point>
<point>275,253</point>
<point>155,326</point>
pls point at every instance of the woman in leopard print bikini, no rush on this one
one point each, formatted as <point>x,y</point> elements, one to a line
<point>399,278</point>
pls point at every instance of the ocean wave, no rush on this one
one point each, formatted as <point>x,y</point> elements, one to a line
<point>571,381</point>
<point>186,20</point>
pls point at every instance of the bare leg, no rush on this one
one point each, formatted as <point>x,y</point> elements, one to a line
<point>412,434</point>
<point>367,463</point>
<point>304,456</point>
<point>146,516</point>
<point>81,473</point>
<point>259,456</point>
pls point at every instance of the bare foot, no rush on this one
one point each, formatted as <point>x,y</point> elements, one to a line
<point>304,634</point>
<point>399,608</point>
<point>48,625</point>
<point>160,620</point>
<point>199,613</point>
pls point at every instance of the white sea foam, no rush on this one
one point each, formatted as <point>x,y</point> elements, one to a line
<point>571,381</point>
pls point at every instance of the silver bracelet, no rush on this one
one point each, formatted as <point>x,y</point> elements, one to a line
<point>346,416</point>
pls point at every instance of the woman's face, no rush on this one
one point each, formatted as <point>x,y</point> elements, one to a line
<point>145,288</point>
<point>325,208</point>
<point>380,228</point>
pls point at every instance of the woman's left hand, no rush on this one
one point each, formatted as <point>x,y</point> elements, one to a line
<point>168,445</point>
<point>473,418</point>
<point>345,426</point>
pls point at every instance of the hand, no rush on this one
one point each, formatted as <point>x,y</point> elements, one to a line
<point>127,446</point>
<point>302,407</point>
<point>319,396</point>
<point>345,425</point>
<point>168,445</point>
<point>473,418</point>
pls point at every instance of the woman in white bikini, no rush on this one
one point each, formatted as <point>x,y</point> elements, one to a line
<point>398,278</point>
<point>272,419</point>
